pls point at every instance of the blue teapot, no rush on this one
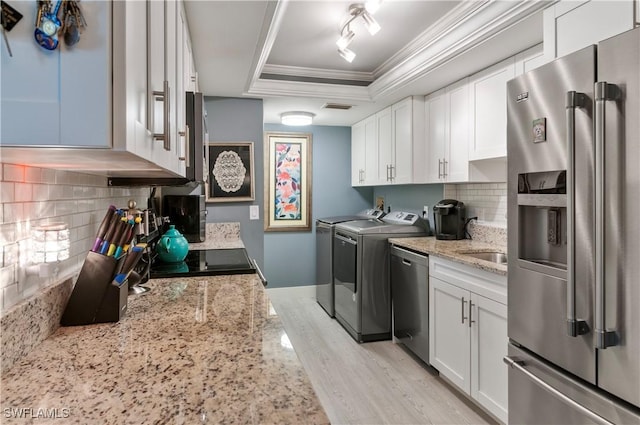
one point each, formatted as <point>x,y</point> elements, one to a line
<point>172,246</point>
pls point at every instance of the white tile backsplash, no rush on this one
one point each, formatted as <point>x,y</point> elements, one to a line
<point>31,196</point>
<point>487,201</point>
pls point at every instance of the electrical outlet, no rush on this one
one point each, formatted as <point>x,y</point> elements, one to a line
<point>425,211</point>
<point>254,212</point>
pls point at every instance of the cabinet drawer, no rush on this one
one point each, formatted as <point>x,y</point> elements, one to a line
<point>487,284</point>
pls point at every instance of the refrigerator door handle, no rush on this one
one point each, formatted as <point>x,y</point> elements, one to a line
<point>575,327</point>
<point>519,365</point>
<point>603,92</point>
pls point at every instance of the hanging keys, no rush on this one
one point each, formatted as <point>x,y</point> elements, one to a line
<point>74,22</point>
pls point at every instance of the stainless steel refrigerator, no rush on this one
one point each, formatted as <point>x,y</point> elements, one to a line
<point>574,238</point>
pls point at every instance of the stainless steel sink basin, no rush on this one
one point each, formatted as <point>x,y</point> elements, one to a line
<point>491,256</point>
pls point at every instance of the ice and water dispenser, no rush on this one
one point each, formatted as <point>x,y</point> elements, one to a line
<point>542,224</point>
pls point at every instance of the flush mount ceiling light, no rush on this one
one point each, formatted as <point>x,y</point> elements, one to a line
<point>297,118</point>
<point>346,34</point>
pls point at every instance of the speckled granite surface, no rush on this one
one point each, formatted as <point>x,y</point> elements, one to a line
<point>220,236</point>
<point>495,234</point>
<point>191,350</point>
<point>451,250</point>
<point>27,324</point>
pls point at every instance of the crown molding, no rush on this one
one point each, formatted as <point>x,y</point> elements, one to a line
<point>270,27</point>
<point>459,14</point>
<point>335,92</point>
<point>435,49</point>
<point>319,73</point>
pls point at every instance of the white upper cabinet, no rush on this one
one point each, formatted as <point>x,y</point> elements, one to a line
<point>60,97</point>
<point>447,128</point>
<point>489,94</point>
<point>385,147</point>
<point>437,134</point>
<point>572,25</point>
<point>456,164</point>
<point>530,59</point>
<point>408,138</point>
<point>386,141</point>
<point>108,92</point>
<point>358,146</point>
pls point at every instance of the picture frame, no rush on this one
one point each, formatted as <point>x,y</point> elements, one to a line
<point>231,172</point>
<point>287,182</point>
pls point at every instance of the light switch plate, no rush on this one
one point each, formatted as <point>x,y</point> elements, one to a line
<point>254,212</point>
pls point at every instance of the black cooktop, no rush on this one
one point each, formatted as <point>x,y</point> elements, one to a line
<point>205,262</point>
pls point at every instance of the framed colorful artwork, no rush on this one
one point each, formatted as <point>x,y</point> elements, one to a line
<point>231,177</point>
<point>287,182</point>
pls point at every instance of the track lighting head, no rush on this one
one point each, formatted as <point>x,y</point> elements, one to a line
<point>346,35</point>
<point>347,54</point>
<point>372,25</point>
<point>372,6</point>
<point>345,39</point>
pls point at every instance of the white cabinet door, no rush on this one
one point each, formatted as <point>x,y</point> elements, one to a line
<point>436,131</point>
<point>60,97</point>
<point>358,153</point>
<point>131,125</point>
<point>489,94</point>
<point>403,140</point>
<point>572,25</point>
<point>456,165</point>
<point>371,151</point>
<point>488,347</point>
<point>530,59</point>
<point>449,330</point>
<point>384,144</point>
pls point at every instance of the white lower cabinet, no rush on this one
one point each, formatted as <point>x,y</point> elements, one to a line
<point>468,331</point>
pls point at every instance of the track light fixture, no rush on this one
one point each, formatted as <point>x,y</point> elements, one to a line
<point>346,34</point>
<point>347,54</point>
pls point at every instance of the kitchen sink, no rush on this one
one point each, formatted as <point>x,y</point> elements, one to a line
<point>491,256</point>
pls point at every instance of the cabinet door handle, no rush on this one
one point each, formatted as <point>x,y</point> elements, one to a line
<point>444,168</point>
<point>187,148</point>
<point>166,112</point>
<point>462,310</point>
<point>471,304</point>
<point>439,169</point>
<point>393,172</point>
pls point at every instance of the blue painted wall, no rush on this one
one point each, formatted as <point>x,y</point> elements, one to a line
<point>240,120</point>
<point>411,198</point>
<point>289,257</point>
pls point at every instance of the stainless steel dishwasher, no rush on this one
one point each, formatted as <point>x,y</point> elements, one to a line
<point>410,300</point>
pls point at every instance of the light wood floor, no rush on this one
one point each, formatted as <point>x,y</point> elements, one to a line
<point>370,383</point>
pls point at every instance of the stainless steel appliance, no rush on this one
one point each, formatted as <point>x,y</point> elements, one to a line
<point>188,213</point>
<point>410,300</point>
<point>361,272</point>
<point>324,255</point>
<point>573,238</point>
<point>449,218</point>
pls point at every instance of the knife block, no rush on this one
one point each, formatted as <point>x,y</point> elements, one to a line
<point>94,298</point>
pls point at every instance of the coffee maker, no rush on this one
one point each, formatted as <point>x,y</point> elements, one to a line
<point>449,218</point>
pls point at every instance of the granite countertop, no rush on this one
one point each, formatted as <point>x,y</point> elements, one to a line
<point>451,251</point>
<point>191,350</point>
<point>220,236</point>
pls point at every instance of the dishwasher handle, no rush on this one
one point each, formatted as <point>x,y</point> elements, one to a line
<point>408,257</point>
